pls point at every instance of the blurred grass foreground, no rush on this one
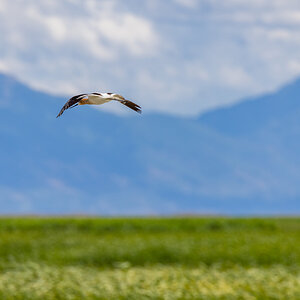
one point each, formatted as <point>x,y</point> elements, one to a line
<point>149,258</point>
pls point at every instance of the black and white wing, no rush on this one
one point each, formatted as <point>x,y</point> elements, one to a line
<point>132,105</point>
<point>126,102</point>
<point>71,103</point>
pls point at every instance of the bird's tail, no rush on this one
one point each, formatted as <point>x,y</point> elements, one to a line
<point>132,105</point>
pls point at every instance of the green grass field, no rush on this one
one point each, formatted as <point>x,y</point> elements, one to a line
<point>149,258</point>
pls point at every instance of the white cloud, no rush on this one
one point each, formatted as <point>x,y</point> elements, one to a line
<point>70,46</point>
<point>187,3</point>
<point>169,59</point>
<point>129,31</point>
<point>234,76</point>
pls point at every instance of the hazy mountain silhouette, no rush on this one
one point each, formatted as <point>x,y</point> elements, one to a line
<point>240,159</point>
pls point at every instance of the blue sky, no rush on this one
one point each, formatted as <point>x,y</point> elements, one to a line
<point>181,57</point>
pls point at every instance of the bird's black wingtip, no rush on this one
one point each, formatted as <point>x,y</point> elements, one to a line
<point>60,113</point>
<point>132,105</point>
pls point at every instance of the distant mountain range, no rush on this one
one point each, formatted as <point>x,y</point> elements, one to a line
<point>242,159</point>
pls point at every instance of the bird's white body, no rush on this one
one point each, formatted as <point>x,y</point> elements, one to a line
<point>97,99</point>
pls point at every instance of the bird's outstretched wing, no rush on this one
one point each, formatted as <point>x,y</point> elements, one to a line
<point>126,102</point>
<point>132,105</point>
<point>71,102</point>
<point>129,104</point>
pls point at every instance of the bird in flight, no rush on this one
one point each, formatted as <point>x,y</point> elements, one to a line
<point>98,98</point>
